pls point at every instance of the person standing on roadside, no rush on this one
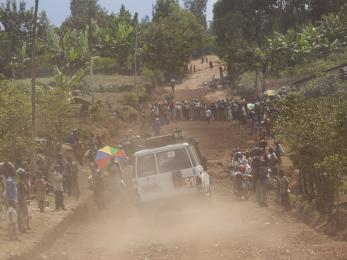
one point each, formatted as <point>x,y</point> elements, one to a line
<point>116,175</point>
<point>12,218</point>
<point>74,179</point>
<point>156,127</point>
<point>58,178</point>
<point>99,189</point>
<point>273,162</point>
<point>279,151</point>
<point>283,188</point>
<point>208,115</point>
<point>10,187</point>
<point>40,191</point>
<point>221,73</point>
<point>260,181</point>
<point>11,197</point>
<point>23,192</point>
<point>173,85</point>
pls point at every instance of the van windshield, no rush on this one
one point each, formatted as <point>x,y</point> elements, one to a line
<point>146,166</point>
<point>174,160</point>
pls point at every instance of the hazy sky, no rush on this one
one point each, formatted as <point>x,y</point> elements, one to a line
<point>58,10</point>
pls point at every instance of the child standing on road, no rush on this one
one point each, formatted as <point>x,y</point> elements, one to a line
<point>11,214</point>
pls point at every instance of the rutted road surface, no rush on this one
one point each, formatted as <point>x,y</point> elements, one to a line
<point>229,229</point>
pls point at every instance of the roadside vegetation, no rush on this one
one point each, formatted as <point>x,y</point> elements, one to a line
<point>269,44</point>
<point>85,67</point>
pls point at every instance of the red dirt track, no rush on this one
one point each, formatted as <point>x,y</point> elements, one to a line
<point>228,229</point>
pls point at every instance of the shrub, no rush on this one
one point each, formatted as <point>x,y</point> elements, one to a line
<point>15,127</point>
<point>96,111</point>
<point>130,99</point>
<point>128,113</point>
<point>153,78</point>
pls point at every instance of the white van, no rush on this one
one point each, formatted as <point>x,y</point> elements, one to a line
<point>168,171</point>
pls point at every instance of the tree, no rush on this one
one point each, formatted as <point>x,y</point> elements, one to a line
<point>241,27</point>
<point>163,8</point>
<point>118,38</point>
<point>312,130</point>
<point>69,51</point>
<point>81,11</point>
<point>19,61</point>
<point>318,8</point>
<point>169,41</point>
<point>15,32</point>
<point>15,127</point>
<point>198,8</point>
<point>54,112</point>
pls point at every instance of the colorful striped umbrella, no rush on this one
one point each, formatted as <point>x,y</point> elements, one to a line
<point>104,155</point>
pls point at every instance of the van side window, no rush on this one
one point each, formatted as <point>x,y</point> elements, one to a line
<point>193,155</point>
<point>146,166</point>
<point>175,160</point>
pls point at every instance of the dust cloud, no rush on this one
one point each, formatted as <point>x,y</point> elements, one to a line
<point>224,228</point>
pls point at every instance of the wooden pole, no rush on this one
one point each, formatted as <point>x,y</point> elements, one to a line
<point>33,87</point>
<point>90,45</point>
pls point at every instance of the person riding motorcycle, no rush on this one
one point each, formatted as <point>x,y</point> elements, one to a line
<point>242,183</point>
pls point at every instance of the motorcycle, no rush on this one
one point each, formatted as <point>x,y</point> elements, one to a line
<point>242,182</point>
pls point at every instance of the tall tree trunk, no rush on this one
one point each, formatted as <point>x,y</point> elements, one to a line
<point>90,45</point>
<point>33,87</point>
<point>263,78</point>
<point>256,81</point>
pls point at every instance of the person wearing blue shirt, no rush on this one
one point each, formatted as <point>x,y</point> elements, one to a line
<point>10,191</point>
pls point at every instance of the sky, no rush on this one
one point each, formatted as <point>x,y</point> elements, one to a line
<point>58,10</point>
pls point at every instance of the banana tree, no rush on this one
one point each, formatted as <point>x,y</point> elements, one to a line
<point>117,41</point>
<point>68,50</point>
<point>19,60</point>
<point>263,58</point>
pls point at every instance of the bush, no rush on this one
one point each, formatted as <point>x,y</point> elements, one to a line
<point>325,86</point>
<point>15,118</point>
<point>128,113</point>
<point>96,111</point>
<point>55,117</point>
<point>314,129</point>
<point>130,99</point>
<point>116,88</point>
<point>153,78</point>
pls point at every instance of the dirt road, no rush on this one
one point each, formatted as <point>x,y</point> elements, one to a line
<point>228,229</point>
